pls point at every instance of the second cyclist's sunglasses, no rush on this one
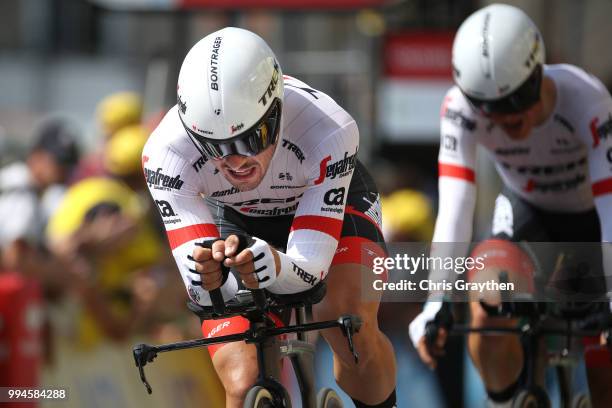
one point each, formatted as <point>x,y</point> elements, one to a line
<point>523,98</point>
<point>251,142</point>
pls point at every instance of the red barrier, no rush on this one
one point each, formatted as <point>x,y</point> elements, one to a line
<point>20,332</point>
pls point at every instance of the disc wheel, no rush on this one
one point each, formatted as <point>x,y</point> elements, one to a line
<point>328,398</point>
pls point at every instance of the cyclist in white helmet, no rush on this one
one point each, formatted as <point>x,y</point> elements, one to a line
<point>548,129</point>
<point>250,152</point>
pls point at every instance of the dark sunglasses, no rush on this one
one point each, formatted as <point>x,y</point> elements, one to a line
<point>248,143</point>
<point>523,98</point>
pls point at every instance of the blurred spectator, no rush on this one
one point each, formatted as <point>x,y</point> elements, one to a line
<point>407,216</point>
<point>29,193</point>
<point>123,161</point>
<point>31,190</point>
<point>111,250</point>
<point>115,112</point>
<point>122,156</point>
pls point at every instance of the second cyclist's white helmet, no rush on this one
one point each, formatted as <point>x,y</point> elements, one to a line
<point>230,92</point>
<point>496,51</point>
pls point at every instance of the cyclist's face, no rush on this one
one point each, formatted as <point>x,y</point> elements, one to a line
<point>245,173</point>
<point>517,125</point>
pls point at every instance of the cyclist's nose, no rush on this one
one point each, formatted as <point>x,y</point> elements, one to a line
<point>234,161</point>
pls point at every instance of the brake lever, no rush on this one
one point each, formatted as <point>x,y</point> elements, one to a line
<point>144,354</point>
<point>350,325</point>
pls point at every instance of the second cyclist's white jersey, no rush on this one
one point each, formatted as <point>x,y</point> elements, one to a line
<point>564,165</point>
<point>308,177</point>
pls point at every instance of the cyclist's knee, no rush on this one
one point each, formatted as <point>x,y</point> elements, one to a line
<point>236,365</point>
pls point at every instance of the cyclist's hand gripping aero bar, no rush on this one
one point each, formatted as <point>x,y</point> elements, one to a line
<point>216,297</point>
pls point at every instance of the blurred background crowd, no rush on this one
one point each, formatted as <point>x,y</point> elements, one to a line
<point>85,269</point>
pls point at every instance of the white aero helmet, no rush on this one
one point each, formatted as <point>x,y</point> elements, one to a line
<point>230,93</point>
<point>498,55</point>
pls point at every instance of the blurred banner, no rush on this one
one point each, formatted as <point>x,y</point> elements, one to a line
<point>278,4</point>
<point>417,73</point>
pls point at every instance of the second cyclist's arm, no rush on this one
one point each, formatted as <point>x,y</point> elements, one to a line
<point>456,182</point>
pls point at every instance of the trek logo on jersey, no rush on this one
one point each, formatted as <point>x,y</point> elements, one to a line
<point>270,212</point>
<point>335,196</point>
<point>285,176</point>
<point>554,186</point>
<point>197,166</point>
<point>564,122</point>
<point>602,131</point>
<point>460,119</point>
<point>303,275</point>
<point>165,209</point>
<point>223,193</point>
<point>292,147</point>
<point>271,87</point>
<point>341,168</point>
<point>214,64</point>
<point>160,181</point>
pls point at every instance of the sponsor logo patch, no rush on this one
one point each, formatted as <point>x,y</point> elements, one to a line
<point>271,212</point>
<point>512,151</point>
<point>600,132</point>
<point>292,147</point>
<point>160,181</point>
<point>197,166</point>
<point>214,64</point>
<point>450,143</point>
<point>559,185</point>
<point>341,168</point>
<point>165,209</point>
<point>303,275</point>
<point>223,193</point>
<point>460,119</point>
<point>335,196</point>
<point>271,86</point>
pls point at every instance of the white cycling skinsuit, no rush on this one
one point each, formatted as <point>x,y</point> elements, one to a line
<point>309,176</point>
<point>563,166</point>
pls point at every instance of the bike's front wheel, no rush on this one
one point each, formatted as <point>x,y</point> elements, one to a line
<point>259,397</point>
<point>328,398</point>
<point>533,397</point>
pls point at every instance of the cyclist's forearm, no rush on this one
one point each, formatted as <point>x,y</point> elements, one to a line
<point>298,274</point>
